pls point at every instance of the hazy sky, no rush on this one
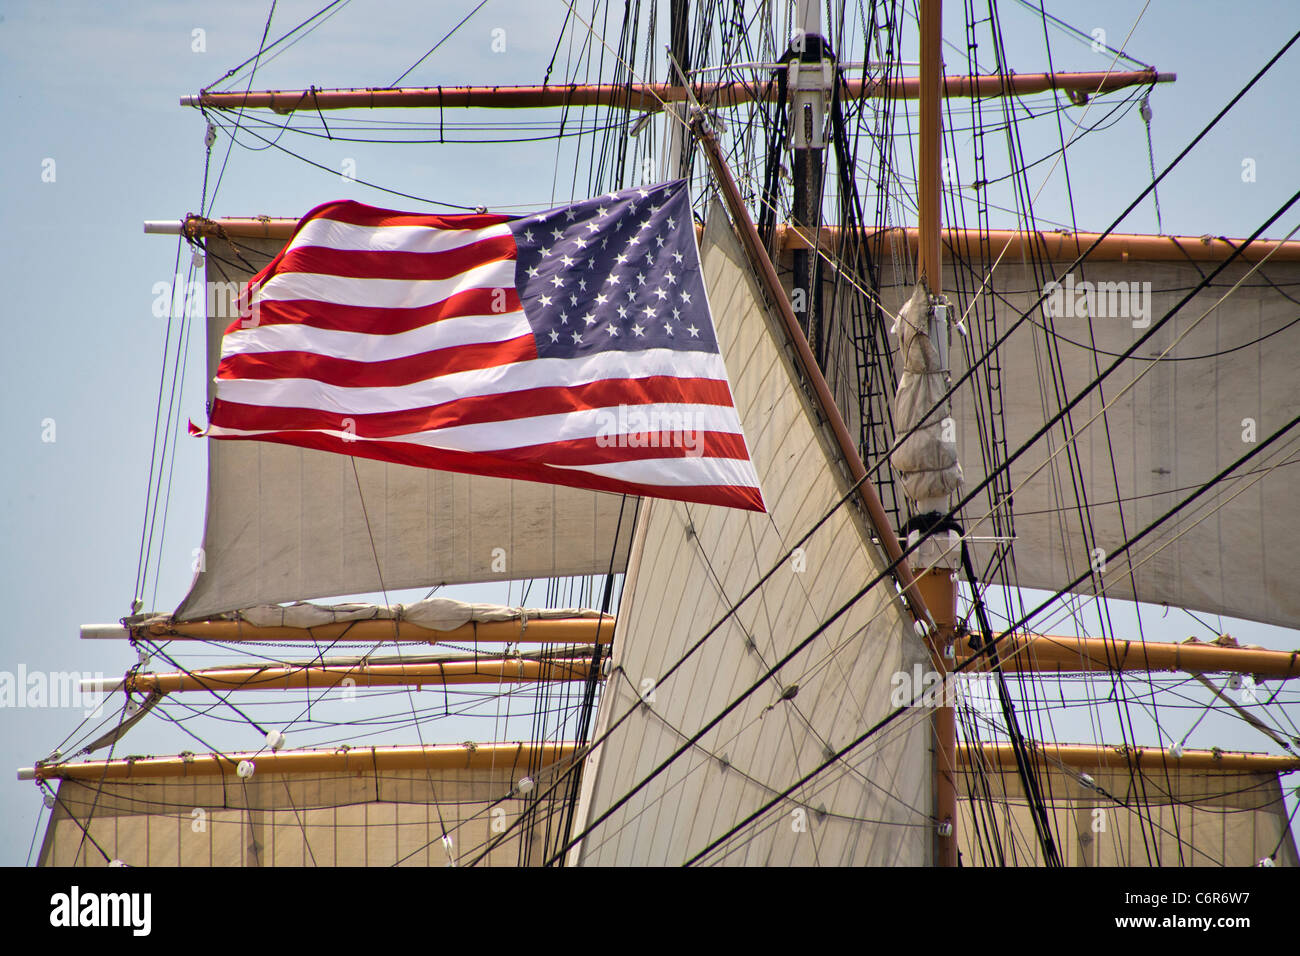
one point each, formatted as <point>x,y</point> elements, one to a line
<point>95,143</point>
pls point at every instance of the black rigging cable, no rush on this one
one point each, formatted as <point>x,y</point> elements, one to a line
<point>447,36</point>
<point>889,570</point>
<point>264,47</point>
<point>895,714</point>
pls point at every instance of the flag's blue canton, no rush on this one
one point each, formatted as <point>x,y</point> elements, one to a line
<point>618,272</point>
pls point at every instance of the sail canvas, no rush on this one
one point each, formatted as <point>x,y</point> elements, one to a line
<point>871,807</point>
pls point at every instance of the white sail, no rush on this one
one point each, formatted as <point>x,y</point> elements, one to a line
<point>1232,382</point>
<point>927,460</point>
<point>379,811</point>
<point>287,524</point>
<point>1159,815</point>
<point>688,566</point>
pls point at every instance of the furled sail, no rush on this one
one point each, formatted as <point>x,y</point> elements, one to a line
<point>1160,813</point>
<point>389,806</point>
<point>433,620</point>
<point>927,459</point>
<point>689,565</point>
<point>432,614</point>
<point>286,524</point>
<point>1230,382</point>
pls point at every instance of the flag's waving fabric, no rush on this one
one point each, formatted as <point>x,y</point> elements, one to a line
<point>573,347</point>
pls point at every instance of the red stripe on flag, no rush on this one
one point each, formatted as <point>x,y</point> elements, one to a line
<point>356,214</point>
<point>390,372</point>
<point>635,447</point>
<point>354,264</point>
<point>378,321</point>
<point>479,409</point>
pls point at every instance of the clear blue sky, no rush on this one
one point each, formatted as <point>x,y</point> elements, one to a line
<point>94,87</point>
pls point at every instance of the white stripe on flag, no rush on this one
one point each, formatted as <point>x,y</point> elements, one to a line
<point>515,376</point>
<point>364,347</point>
<point>384,293</point>
<point>676,471</point>
<point>341,235</point>
<point>570,426</point>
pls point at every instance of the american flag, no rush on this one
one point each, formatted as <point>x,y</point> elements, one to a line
<point>573,347</point>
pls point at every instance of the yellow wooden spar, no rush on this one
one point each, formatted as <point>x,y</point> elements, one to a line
<point>363,674</point>
<point>577,630</point>
<point>1047,653</point>
<point>498,755</point>
<point>344,759</point>
<point>1061,245</point>
<point>1085,756</point>
<point>651,97</point>
<point>1042,653</point>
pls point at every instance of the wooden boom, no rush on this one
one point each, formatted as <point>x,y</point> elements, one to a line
<point>969,243</point>
<point>484,756</point>
<point>1084,757</point>
<point>343,760</point>
<point>1037,653</point>
<point>1047,653</point>
<point>360,673</point>
<point>573,630</point>
<point>652,97</point>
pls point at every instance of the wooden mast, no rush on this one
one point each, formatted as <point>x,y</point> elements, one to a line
<point>937,582</point>
<point>930,128</point>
